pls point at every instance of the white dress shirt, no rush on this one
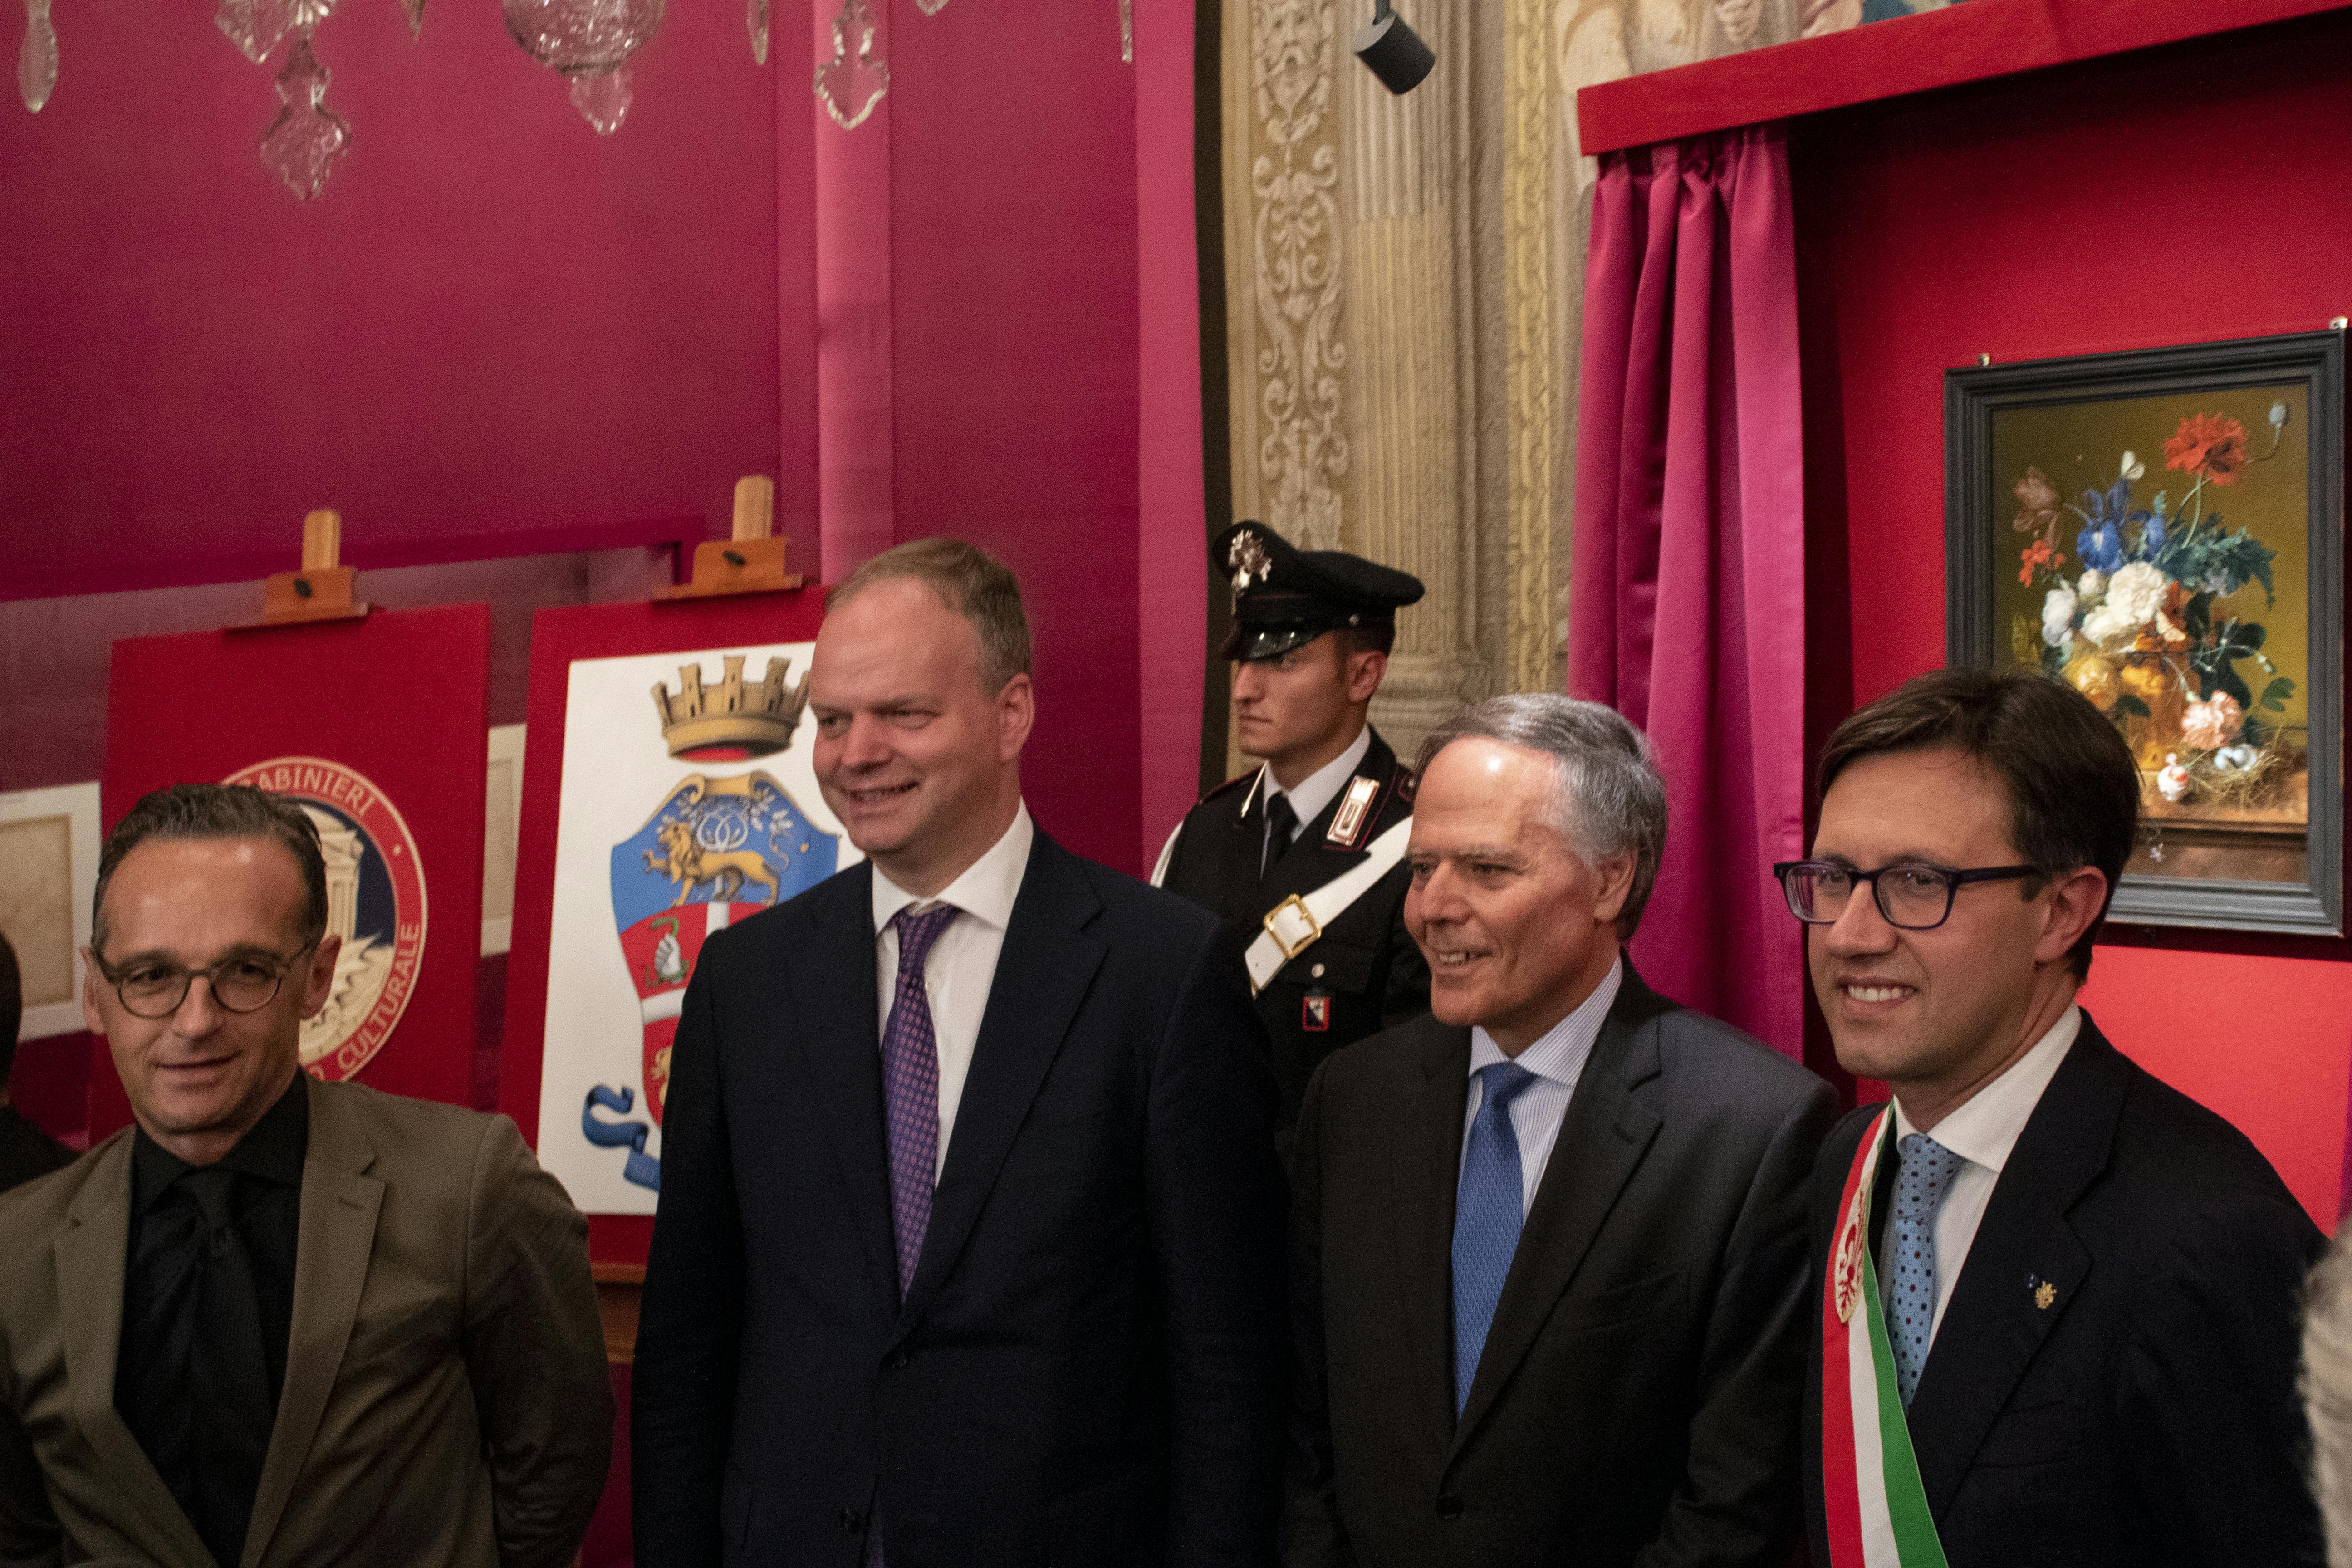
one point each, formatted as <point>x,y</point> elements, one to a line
<point>1558,1061</point>
<point>962,965</point>
<point>1981,1133</point>
<point>1314,790</point>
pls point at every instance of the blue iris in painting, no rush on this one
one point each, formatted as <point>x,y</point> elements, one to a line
<point>2101,543</point>
<point>2101,546</point>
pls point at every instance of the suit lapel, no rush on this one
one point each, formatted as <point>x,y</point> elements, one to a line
<point>839,1033</point>
<point>1312,859</point>
<point>1424,1173</point>
<point>334,1235</point>
<point>1042,973</point>
<point>1609,1126</point>
<point>90,1254</point>
<point>1992,1326</point>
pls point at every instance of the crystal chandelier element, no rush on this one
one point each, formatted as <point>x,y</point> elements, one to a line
<point>37,62</point>
<point>850,87</point>
<point>755,17</point>
<point>256,26</point>
<point>931,7</point>
<point>302,143</point>
<point>589,41</point>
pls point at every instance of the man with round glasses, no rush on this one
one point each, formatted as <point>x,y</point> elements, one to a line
<point>2055,1301</point>
<point>280,1320</point>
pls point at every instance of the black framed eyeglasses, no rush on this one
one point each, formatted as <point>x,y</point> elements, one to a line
<point>245,983</point>
<point>1911,896</point>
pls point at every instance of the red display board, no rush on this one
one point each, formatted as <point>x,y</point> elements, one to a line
<point>378,727</point>
<point>559,637</point>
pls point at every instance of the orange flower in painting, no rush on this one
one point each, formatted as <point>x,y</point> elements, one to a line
<point>2209,446</point>
<point>2038,554</point>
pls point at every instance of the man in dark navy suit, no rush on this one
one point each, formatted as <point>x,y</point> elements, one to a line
<point>2089,1282</point>
<point>969,1249</point>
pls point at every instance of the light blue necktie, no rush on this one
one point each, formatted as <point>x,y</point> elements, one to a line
<point>1919,1187</point>
<point>1488,1208</point>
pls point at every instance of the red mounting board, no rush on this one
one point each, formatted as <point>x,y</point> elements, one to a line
<point>557,638</point>
<point>1969,42</point>
<point>381,722</point>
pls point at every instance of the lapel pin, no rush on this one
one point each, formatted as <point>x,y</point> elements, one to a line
<point>2044,1292</point>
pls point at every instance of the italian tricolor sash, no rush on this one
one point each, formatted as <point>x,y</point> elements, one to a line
<point>1877,1507</point>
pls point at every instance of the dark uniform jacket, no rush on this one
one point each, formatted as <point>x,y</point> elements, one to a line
<point>1364,975</point>
<point>2142,1408</point>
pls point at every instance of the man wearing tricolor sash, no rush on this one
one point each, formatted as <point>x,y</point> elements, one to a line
<point>2055,1301</point>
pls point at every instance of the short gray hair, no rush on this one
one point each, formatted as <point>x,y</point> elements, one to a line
<point>218,811</point>
<point>972,582</point>
<point>2327,1389</point>
<point>1608,799</point>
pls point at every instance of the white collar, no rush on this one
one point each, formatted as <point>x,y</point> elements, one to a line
<point>987,888</point>
<point>1560,1053</point>
<point>1316,790</point>
<point>1986,1127</point>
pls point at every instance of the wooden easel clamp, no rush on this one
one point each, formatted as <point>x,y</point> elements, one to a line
<point>753,560</point>
<point>321,590</point>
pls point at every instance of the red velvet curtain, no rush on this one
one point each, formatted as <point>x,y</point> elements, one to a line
<point>1687,578</point>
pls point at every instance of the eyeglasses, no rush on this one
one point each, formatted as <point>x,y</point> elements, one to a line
<point>243,984</point>
<point>1912,897</point>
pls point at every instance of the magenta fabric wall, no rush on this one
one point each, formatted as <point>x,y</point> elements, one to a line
<point>981,373</point>
<point>1689,559</point>
<point>1171,562</point>
<point>493,320</point>
<point>1014,366</point>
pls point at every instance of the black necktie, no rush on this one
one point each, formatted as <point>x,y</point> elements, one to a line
<point>1281,821</point>
<point>228,1372</point>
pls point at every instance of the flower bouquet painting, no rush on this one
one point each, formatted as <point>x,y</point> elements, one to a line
<point>2161,532</point>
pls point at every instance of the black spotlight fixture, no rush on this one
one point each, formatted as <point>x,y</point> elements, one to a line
<point>1394,51</point>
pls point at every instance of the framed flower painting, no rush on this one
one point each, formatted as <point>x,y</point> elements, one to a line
<point>2163,531</point>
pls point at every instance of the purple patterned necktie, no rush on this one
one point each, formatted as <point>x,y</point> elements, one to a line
<point>910,1086</point>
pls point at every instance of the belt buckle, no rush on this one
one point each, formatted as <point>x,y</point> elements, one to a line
<point>1291,950</point>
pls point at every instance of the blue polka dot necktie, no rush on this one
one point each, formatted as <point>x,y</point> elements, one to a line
<point>1919,1187</point>
<point>1489,1206</point>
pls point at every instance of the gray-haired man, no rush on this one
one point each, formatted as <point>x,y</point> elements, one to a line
<point>1549,1251</point>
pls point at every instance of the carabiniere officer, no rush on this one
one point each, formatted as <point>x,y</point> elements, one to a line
<point>1302,845</point>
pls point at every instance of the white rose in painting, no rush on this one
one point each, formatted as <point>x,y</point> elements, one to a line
<point>2111,625</point>
<point>2139,588</point>
<point>2093,586</point>
<point>2058,617</point>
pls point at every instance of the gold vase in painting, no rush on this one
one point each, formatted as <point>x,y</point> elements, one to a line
<point>2160,681</point>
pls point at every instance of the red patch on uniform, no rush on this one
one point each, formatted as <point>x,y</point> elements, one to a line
<point>1315,1015</point>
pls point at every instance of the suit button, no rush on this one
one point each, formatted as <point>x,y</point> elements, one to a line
<point>851,1520</point>
<point>1449,1507</point>
<point>897,1362</point>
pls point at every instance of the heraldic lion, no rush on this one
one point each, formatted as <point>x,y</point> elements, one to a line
<point>688,864</point>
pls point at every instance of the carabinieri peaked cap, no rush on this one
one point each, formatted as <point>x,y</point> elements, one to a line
<point>1285,597</point>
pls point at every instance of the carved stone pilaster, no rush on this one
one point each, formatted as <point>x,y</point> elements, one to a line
<point>1416,496</point>
<point>1539,440</point>
<point>1286,355</point>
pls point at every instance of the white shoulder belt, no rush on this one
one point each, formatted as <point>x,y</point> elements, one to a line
<point>1293,925</point>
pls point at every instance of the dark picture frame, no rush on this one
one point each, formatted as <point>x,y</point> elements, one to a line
<point>2163,529</point>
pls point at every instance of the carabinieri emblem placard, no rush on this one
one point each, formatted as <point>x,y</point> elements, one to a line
<point>679,817</point>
